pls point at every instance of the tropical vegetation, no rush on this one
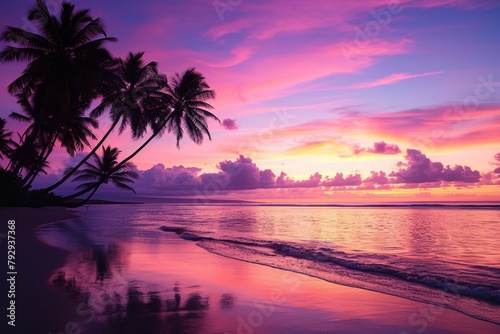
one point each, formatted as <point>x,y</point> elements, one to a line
<point>68,70</point>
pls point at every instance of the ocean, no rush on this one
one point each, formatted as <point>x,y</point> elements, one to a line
<point>448,256</point>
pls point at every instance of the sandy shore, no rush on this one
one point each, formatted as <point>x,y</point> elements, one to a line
<point>40,307</point>
<point>174,286</point>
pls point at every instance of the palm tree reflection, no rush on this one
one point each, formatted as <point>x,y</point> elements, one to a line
<point>226,301</point>
<point>122,305</point>
<point>150,313</point>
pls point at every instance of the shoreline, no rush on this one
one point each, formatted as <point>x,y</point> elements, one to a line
<point>240,292</point>
<point>35,263</point>
<point>353,286</point>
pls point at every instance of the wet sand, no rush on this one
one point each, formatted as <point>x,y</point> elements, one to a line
<point>40,307</point>
<point>175,286</point>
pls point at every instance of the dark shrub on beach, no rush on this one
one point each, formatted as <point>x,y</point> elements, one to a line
<point>12,192</point>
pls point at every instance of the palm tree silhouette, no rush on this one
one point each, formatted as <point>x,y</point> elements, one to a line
<point>129,104</point>
<point>184,109</point>
<point>72,133</point>
<point>5,141</point>
<point>68,67</point>
<point>104,170</point>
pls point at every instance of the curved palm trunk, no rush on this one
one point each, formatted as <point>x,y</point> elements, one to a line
<point>88,197</point>
<point>155,133</point>
<point>16,167</point>
<point>42,162</point>
<point>81,192</point>
<point>84,191</point>
<point>74,169</point>
<point>28,180</point>
<point>117,167</point>
<point>136,152</point>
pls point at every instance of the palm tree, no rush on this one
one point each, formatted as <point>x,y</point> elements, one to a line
<point>5,141</point>
<point>105,170</point>
<point>72,133</point>
<point>68,66</point>
<point>31,147</point>
<point>186,110</point>
<point>129,104</point>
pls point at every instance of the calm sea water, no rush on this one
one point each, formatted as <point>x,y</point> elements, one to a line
<point>447,256</point>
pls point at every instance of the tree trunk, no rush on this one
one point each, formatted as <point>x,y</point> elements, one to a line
<point>42,157</point>
<point>81,192</point>
<point>155,133</point>
<point>88,198</point>
<point>74,169</point>
<point>42,161</point>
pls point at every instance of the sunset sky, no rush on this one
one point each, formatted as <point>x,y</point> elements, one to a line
<point>321,101</point>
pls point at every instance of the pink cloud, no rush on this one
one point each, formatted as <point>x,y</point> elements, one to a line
<point>265,20</point>
<point>462,4</point>
<point>339,180</point>
<point>380,147</point>
<point>394,78</point>
<point>377,178</point>
<point>242,174</point>
<point>496,162</point>
<point>439,127</point>
<point>283,181</point>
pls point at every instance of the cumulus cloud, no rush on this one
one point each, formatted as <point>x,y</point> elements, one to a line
<point>459,173</point>
<point>283,181</point>
<point>497,163</point>
<point>419,169</point>
<point>416,171</point>
<point>244,174</point>
<point>176,177</point>
<point>377,178</point>
<point>380,147</point>
<point>230,124</point>
<point>339,180</point>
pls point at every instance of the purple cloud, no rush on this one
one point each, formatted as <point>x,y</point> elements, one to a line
<point>244,174</point>
<point>172,178</point>
<point>339,180</point>
<point>230,124</point>
<point>459,173</point>
<point>419,169</point>
<point>283,181</point>
<point>377,178</point>
<point>496,162</point>
<point>380,147</point>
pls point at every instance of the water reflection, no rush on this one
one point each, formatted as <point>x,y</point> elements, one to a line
<point>121,305</point>
<point>226,301</point>
<point>149,313</point>
<point>237,220</point>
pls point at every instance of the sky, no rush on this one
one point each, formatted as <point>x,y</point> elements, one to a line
<point>321,102</point>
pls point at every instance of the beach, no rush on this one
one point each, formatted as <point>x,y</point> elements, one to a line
<point>40,307</point>
<point>175,286</point>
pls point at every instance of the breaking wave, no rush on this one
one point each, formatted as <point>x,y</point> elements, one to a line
<point>393,275</point>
